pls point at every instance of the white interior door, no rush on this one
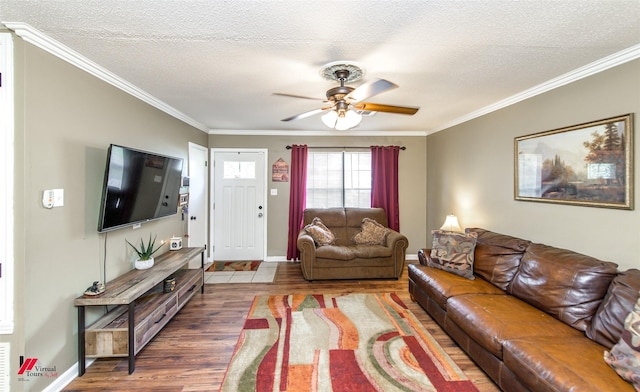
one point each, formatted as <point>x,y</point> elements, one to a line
<point>239,211</point>
<point>198,185</point>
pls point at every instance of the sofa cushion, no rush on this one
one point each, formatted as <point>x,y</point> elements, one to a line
<point>372,233</point>
<point>497,256</point>
<point>568,285</point>
<point>354,218</point>
<point>490,320</point>
<point>320,233</point>
<point>441,285</point>
<point>371,251</point>
<point>453,252</point>
<point>608,323</point>
<point>573,363</point>
<point>335,252</point>
<point>624,357</point>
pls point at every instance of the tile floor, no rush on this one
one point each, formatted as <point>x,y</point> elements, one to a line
<point>265,274</point>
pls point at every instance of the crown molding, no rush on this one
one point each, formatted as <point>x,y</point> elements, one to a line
<point>328,132</point>
<point>618,58</point>
<point>39,39</point>
<point>42,41</point>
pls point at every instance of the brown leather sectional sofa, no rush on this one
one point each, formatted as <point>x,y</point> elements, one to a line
<point>344,259</point>
<point>535,318</point>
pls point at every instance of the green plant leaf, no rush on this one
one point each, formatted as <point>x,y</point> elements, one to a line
<point>145,252</point>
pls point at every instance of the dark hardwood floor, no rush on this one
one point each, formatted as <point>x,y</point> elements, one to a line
<point>191,353</point>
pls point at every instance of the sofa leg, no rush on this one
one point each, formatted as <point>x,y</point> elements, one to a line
<point>413,299</point>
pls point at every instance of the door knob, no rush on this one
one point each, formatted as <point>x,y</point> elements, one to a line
<point>260,215</point>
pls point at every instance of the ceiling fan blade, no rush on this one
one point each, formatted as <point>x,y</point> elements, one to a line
<point>369,89</point>
<point>299,96</point>
<point>307,114</point>
<point>375,107</point>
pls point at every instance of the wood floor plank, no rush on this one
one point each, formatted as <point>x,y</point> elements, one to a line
<point>191,353</point>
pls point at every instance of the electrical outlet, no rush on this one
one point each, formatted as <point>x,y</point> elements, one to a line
<point>53,198</point>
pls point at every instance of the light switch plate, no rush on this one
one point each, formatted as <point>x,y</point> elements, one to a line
<point>274,192</point>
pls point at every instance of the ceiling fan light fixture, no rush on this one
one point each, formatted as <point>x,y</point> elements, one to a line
<point>341,121</point>
<point>349,120</point>
<point>330,118</point>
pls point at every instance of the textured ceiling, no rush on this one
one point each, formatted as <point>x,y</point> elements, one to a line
<point>218,62</point>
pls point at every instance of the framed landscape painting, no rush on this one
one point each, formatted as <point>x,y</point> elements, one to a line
<point>588,164</point>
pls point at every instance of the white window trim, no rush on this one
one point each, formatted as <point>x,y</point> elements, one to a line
<point>6,183</point>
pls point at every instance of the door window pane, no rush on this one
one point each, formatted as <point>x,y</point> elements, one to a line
<point>239,170</point>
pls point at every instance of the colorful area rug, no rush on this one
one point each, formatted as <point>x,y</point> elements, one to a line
<point>350,342</point>
<point>234,266</point>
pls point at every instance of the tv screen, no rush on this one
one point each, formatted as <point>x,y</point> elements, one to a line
<point>139,186</point>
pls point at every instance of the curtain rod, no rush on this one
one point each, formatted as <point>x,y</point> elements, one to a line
<point>344,147</point>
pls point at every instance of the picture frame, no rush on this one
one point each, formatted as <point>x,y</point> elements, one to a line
<point>589,164</point>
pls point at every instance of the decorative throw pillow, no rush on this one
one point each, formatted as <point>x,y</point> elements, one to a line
<point>320,233</point>
<point>453,252</point>
<point>373,233</point>
<point>624,357</point>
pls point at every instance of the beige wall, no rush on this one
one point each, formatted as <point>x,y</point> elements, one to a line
<point>411,181</point>
<point>66,120</point>
<point>471,170</point>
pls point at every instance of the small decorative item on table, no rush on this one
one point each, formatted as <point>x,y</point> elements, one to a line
<point>169,285</point>
<point>97,288</point>
<point>175,243</point>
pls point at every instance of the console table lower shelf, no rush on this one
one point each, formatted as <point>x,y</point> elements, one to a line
<point>143,308</point>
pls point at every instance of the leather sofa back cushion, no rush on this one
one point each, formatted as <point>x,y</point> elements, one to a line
<point>497,256</point>
<point>567,285</point>
<point>608,323</point>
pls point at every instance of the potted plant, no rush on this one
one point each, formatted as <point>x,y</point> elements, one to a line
<point>145,253</point>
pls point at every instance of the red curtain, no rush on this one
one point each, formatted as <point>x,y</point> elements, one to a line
<point>384,182</point>
<point>297,198</point>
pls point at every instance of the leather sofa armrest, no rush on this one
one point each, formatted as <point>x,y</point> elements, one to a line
<point>305,240</point>
<point>398,243</point>
<point>307,248</point>
<point>393,237</point>
<point>424,255</point>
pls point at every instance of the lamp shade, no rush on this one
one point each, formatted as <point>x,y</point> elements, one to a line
<point>451,224</point>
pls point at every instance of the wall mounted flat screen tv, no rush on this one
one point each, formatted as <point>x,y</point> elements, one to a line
<point>139,186</point>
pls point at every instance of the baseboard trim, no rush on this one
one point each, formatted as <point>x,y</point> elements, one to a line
<point>66,378</point>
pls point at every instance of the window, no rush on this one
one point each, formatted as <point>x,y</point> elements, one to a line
<point>239,170</point>
<point>338,179</point>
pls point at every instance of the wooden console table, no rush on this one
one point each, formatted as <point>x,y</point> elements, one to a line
<point>143,308</point>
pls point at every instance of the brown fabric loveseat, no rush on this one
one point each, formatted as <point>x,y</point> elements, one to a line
<point>535,318</point>
<point>344,259</point>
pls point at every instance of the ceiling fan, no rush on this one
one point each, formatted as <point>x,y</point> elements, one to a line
<point>345,106</point>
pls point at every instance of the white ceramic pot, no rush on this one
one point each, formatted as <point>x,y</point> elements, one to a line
<point>144,264</point>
